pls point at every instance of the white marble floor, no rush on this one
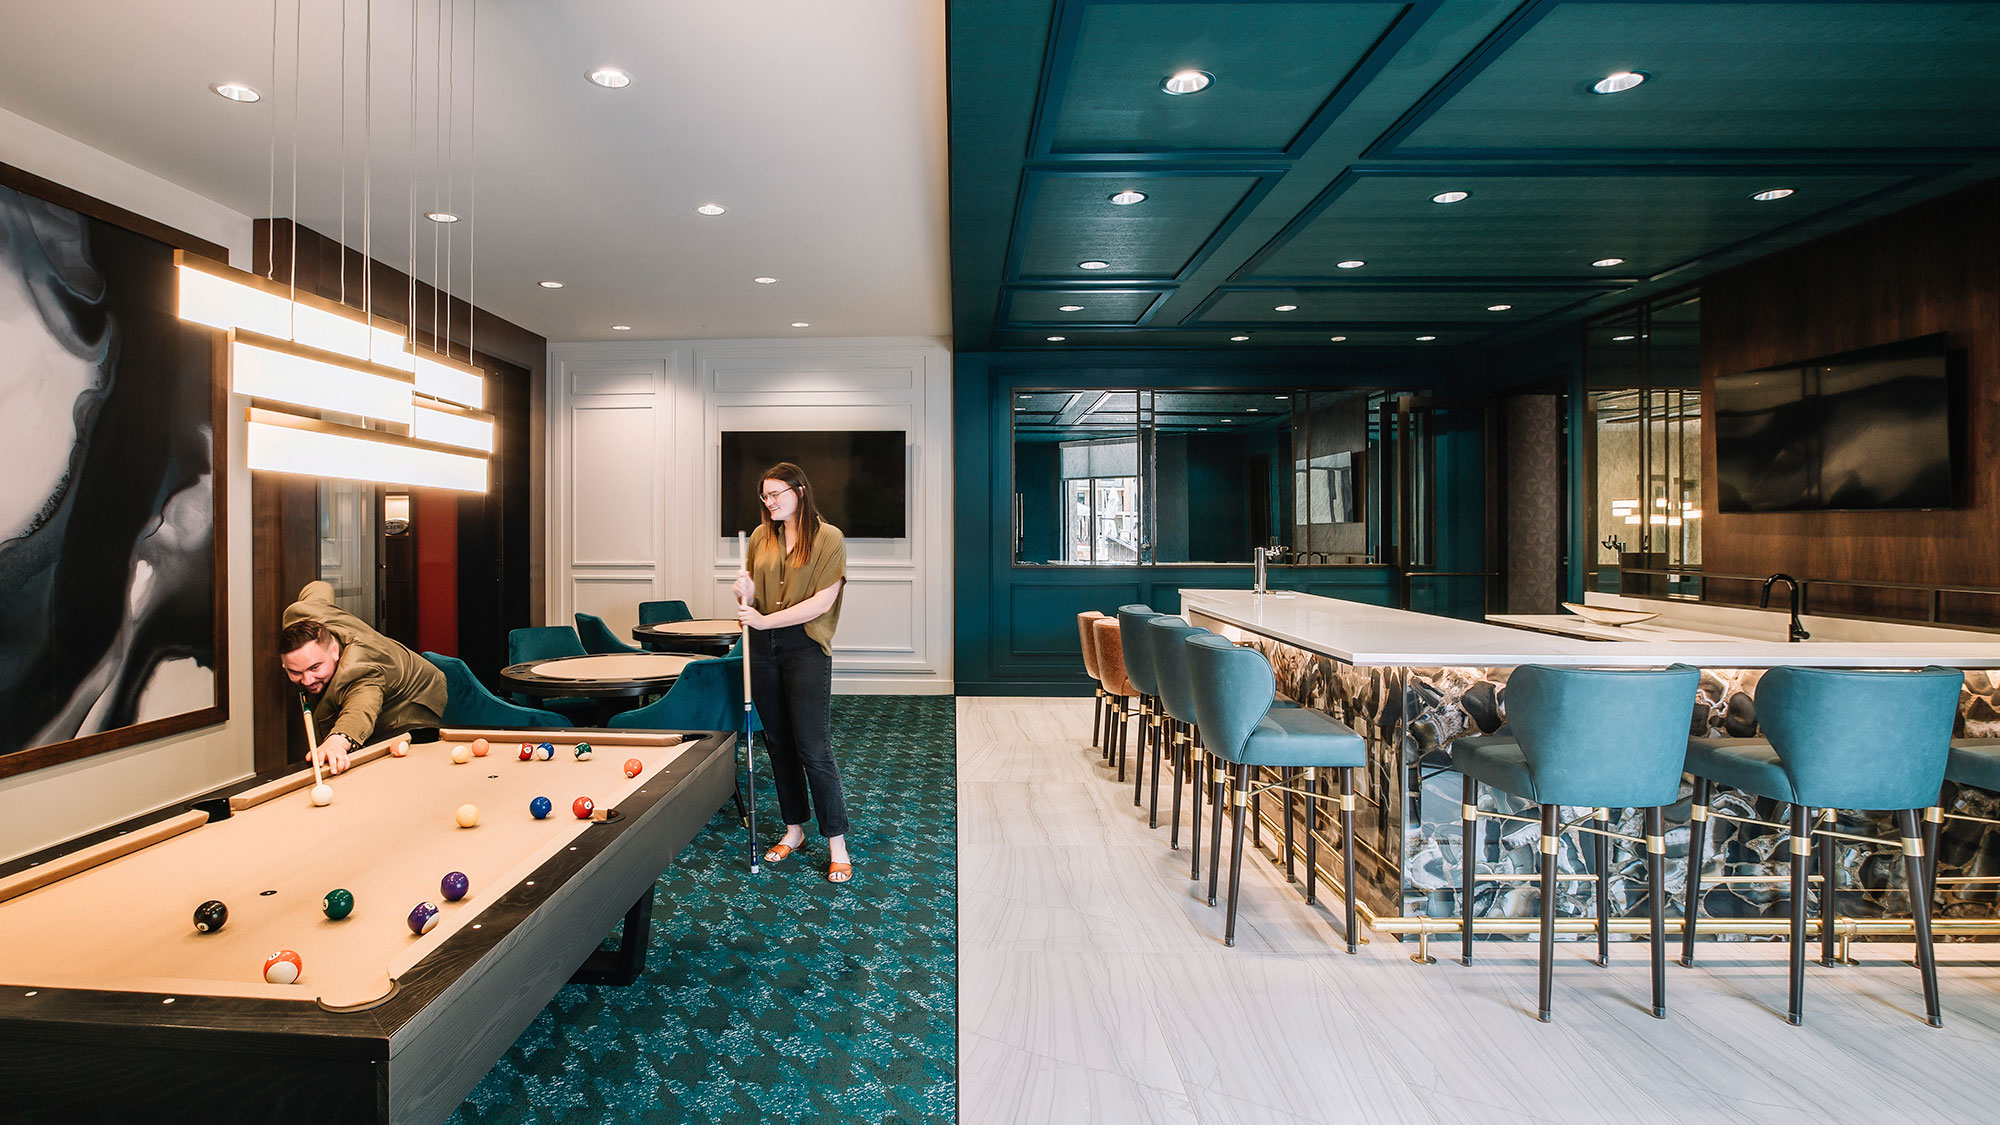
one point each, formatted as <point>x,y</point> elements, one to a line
<point>1094,987</point>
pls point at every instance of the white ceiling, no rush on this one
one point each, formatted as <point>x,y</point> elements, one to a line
<point>821,126</point>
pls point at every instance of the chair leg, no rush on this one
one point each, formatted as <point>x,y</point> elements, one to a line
<point>1347,850</point>
<point>1697,839</point>
<point>1096,714</point>
<point>1256,816</point>
<point>1920,915</point>
<point>1289,777</point>
<point>1124,732</point>
<point>1933,817</point>
<point>1312,836</point>
<point>1236,851</point>
<point>1800,845</point>
<point>1603,860</point>
<point>1468,840</point>
<point>1220,794</point>
<point>1829,912</point>
<point>1178,753</point>
<point>1656,903</point>
<point>1197,781</point>
<point>1146,727</point>
<point>1549,844</point>
<point>1160,744</point>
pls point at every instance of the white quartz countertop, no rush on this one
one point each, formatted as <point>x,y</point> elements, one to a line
<point>1363,634</point>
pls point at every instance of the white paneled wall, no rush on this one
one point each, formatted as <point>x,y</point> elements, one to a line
<point>635,454</point>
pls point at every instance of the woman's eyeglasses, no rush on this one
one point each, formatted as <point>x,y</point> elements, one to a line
<point>770,498</point>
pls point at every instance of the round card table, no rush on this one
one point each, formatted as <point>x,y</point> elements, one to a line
<point>615,681</point>
<point>710,635</point>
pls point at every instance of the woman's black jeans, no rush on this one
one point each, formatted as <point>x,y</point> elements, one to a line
<point>791,682</point>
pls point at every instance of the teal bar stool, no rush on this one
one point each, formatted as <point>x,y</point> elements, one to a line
<point>1974,763</point>
<point>1170,669</point>
<point>1593,738</point>
<point>1833,740</point>
<point>1138,649</point>
<point>598,638</point>
<point>1233,689</point>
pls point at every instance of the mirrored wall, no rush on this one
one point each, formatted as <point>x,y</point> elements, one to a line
<point>1643,446</point>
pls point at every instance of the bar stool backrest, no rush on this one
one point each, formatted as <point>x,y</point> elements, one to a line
<point>1087,640</point>
<point>1232,687</point>
<point>1110,657</point>
<point>1861,739</point>
<point>1170,665</point>
<point>1568,721</point>
<point>1138,647</point>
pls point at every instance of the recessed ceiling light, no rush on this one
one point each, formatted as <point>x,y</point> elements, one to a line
<point>1024,398</point>
<point>1617,83</point>
<point>711,209</point>
<point>1425,339</point>
<point>1337,339</point>
<point>550,284</point>
<point>1350,264</point>
<point>1128,197</point>
<point>1229,419</point>
<point>1285,308</point>
<point>441,216</point>
<point>1451,197</point>
<point>1284,398</point>
<point>765,280</point>
<point>609,77</point>
<point>1601,263</point>
<point>800,324</point>
<point>1773,193</point>
<point>1254,409</point>
<point>1093,264</point>
<point>236,92</point>
<point>1069,308</point>
<point>1187,82</point>
<point>621,328</point>
<point>1236,340</point>
<point>1622,339</point>
<point>1498,308</point>
<point>1057,339</point>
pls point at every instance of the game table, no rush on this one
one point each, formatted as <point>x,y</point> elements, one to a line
<point>113,1007</point>
<point>711,636</point>
<point>613,681</point>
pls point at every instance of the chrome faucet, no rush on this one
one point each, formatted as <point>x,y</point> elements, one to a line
<point>1798,631</point>
<point>1257,570</point>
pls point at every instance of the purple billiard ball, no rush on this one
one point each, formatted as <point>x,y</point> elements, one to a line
<point>539,807</point>
<point>454,885</point>
<point>423,916</point>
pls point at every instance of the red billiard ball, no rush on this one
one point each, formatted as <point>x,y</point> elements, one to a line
<point>527,751</point>
<point>634,767</point>
<point>583,808</point>
<point>283,967</point>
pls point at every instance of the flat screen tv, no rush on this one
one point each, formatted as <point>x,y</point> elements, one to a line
<point>857,477</point>
<point>1866,429</point>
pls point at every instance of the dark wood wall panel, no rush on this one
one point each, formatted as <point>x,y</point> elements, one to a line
<point>1933,268</point>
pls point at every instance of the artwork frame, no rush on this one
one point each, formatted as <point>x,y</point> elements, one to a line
<point>197,715</point>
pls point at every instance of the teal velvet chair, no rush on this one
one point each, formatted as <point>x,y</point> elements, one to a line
<point>708,695</point>
<point>469,704</point>
<point>1170,670</point>
<point>547,642</point>
<point>1138,649</point>
<point>1594,738</point>
<point>1835,739</point>
<point>661,613</point>
<point>598,638</point>
<point>1099,700</point>
<point>1233,689</point>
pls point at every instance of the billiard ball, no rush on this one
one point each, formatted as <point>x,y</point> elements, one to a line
<point>454,885</point>
<point>283,967</point>
<point>527,751</point>
<point>423,916</point>
<point>583,751</point>
<point>539,807</point>
<point>399,748</point>
<point>582,807</point>
<point>461,755</point>
<point>479,747</point>
<point>322,795</point>
<point>337,904</point>
<point>545,751</point>
<point>634,767</point>
<point>468,815</point>
<point>209,916</point>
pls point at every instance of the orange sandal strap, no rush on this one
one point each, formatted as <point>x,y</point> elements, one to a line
<point>778,853</point>
<point>839,872</point>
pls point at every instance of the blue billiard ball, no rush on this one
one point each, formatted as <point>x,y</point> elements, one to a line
<point>540,807</point>
<point>545,751</point>
<point>454,885</point>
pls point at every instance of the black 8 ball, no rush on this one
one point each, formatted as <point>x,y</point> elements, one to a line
<point>209,916</point>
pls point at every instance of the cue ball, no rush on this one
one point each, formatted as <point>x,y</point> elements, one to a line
<point>454,885</point>
<point>283,967</point>
<point>479,747</point>
<point>583,751</point>
<point>322,795</point>
<point>634,767</point>
<point>209,916</point>
<point>545,751</point>
<point>461,755</point>
<point>423,916</point>
<point>468,815</point>
<point>539,807</point>
<point>582,808</point>
<point>337,904</point>
<point>527,751</point>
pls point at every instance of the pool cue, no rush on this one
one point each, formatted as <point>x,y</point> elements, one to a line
<point>312,740</point>
<point>749,740</point>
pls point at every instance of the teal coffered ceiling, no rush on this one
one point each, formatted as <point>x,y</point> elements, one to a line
<point>1330,126</point>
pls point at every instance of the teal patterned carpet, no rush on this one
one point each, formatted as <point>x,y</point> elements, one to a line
<point>779,997</point>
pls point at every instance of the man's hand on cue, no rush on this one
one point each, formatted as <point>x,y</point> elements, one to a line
<point>333,753</point>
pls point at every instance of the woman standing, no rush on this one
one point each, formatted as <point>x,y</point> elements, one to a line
<point>796,566</point>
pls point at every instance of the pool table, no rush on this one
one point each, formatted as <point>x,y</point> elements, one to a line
<point>113,1006</point>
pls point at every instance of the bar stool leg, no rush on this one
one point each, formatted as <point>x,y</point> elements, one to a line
<point>1290,778</point>
<point>1124,724</point>
<point>1256,817</point>
<point>1697,838</point>
<point>1236,851</point>
<point>1145,741</point>
<point>1603,858</point>
<point>1800,846</point>
<point>1549,845</point>
<point>1180,757</point>
<point>1312,835</point>
<point>1829,911</point>
<point>1347,849</point>
<point>1220,792</point>
<point>1197,781</point>
<point>1933,817</point>
<point>1656,903</point>
<point>1160,746</point>
<point>1468,840</point>
<point>1096,714</point>
<point>1920,913</point>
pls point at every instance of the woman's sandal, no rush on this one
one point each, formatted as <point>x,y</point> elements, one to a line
<point>839,872</point>
<point>779,853</point>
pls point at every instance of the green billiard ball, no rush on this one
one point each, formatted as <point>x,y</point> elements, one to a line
<point>337,904</point>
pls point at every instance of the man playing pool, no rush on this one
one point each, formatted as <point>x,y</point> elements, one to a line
<point>368,687</point>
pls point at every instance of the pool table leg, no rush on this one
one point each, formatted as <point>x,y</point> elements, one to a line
<point>623,965</point>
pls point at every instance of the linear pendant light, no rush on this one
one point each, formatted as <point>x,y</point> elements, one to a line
<point>273,370</point>
<point>449,424</point>
<point>442,376</point>
<point>224,297</point>
<point>287,443</point>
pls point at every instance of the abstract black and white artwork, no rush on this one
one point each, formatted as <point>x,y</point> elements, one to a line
<point>109,491</point>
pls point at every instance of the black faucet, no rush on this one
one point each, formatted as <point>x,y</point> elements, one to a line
<point>1798,631</point>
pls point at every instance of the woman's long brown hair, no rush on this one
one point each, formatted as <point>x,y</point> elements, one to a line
<point>807,516</point>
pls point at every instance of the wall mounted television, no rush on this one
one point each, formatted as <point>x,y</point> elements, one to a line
<point>1870,429</point>
<point>857,476</point>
